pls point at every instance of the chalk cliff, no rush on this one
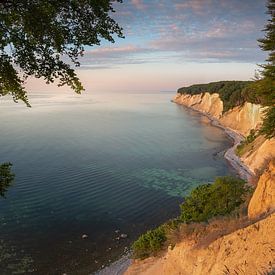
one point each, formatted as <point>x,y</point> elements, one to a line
<point>241,119</point>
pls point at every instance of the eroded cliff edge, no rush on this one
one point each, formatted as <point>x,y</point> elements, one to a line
<point>240,120</point>
<point>230,246</point>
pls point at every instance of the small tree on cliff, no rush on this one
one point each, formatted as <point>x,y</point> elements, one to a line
<point>41,37</point>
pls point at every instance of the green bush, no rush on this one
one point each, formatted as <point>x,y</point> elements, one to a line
<point>249,139</point>
<point>204,202</point>
<point>210,200</point>
<point>149,243</point>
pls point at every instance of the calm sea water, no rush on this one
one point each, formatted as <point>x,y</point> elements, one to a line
<point>94,164</point>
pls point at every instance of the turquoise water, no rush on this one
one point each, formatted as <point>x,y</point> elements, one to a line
<point>94,164</point>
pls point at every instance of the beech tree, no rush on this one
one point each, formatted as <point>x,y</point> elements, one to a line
<point>45,38</point>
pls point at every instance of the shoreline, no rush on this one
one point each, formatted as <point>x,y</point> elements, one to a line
<point>242,170</point>
<point>121,265</point>
<point>116,268</point>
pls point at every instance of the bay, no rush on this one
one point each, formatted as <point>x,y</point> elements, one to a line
<point>94,164</point>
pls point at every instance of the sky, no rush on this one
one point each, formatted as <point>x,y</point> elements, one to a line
<point>175,43</point>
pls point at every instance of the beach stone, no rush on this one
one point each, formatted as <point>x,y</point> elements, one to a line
<point>84,236</point>
<point>117,231</point>
<point>124,236</point>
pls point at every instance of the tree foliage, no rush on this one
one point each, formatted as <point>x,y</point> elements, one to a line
<point>268,42</point>
<point>149,243</point>
<point>41,38</point>
<point>268,127</point>
<point>210,200</point>
<point>230,91</point>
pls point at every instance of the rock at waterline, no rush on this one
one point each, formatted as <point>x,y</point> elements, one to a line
<point>84,236</point>
<point>123,236</point>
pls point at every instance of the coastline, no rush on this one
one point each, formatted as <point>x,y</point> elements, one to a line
<point>242,170</point>
<point>120,266</point>
<point>116,268</point>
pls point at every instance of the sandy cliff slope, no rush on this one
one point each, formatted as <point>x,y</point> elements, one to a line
<point>263,200</point>
<point>245,251</point>
<point>249,250</point>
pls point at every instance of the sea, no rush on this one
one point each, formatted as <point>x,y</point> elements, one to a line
<point>93,172</point>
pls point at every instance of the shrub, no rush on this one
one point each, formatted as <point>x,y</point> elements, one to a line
<point>149,243</point>
<point>249,139</point>
<point>207,201</point>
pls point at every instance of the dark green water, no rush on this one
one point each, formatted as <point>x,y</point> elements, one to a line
<point>94,164</point>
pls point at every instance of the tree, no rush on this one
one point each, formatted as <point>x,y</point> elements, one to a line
<point>268,42</point>
<point>44,38</point>
<point>210,200</point>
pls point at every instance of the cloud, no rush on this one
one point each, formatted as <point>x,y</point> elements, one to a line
<point>138,4</point>
<point>184,30</point>
<point>197,6</point>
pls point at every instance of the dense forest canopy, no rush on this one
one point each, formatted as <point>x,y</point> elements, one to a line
<point>230,91</point>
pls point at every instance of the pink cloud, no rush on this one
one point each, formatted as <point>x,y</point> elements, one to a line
<point>114,50</point>
<point>198,6</point>
<point>138,4</point>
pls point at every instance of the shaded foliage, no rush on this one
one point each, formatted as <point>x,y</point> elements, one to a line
<point>149,243</point>
<point>261,91</point>
<point>210,200</point>
<point>268,42</point>
<point>249,139</point>
<point>6,178</point>
<point>268,127</point>
<point>230,91</point>
<point>40,38</point>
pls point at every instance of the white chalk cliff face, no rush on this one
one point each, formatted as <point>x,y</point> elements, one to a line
<point>210,104</point>
<point>250,249</point>
<point>241,119</point>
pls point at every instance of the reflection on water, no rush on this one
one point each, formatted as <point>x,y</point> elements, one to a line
<point>94,164</point>
<point>6,177</point>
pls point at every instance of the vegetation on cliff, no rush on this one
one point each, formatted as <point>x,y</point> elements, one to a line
<point>241,147</point>
<point>260,91</point>
<point>230,91</point>
<point>221,198</point>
